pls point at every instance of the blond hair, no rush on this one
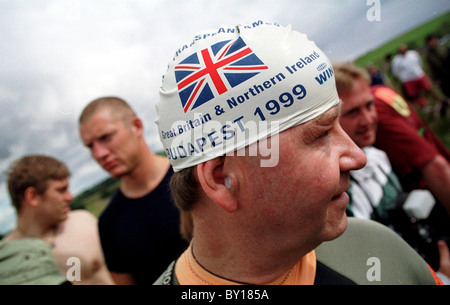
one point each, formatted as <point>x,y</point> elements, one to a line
<point>346,74</point>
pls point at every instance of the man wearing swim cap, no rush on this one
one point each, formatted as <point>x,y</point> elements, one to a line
<point>227,96</point>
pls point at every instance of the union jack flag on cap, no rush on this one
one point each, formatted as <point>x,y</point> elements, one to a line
<point>232,86</point>
<point>214,70</point>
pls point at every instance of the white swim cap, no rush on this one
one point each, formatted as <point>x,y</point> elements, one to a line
<point>231,80</point>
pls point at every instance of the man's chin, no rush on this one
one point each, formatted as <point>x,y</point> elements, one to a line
<point>367,140</point>
<point>337,228</point>
<point>116,173</point>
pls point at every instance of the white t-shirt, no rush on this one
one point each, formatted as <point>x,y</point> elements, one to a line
<point>368,183</point>
<point>407,67</point>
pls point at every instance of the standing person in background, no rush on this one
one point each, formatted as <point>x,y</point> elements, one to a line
<point>140,227</point>
<point>39,189</point>
<point>377,77</point>
<point>407,67</point>
<point>437,58</point>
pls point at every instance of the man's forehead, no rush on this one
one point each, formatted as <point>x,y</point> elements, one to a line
<point>57,183</point>
<point>104,113</point>
<point>358,96</point>
<point>324,120</point>
<point>99,124</point>
<point>107,114</point>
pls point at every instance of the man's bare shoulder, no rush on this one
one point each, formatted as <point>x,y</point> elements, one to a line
<point>80,224</point>
<point>82,217</point>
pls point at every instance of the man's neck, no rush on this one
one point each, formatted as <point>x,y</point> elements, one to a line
<point>240,260</point>
<point>32,229</point>
<point>146,176</point>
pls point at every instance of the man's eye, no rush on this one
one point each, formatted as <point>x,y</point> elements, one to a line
<point>323,134</point>
<point>350,113</point>
<point>316,135</point>
<point>105,138</point>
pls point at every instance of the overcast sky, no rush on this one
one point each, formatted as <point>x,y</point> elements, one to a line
<point>56,56</point>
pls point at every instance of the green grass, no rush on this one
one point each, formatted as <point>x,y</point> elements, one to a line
<point>96,198</point>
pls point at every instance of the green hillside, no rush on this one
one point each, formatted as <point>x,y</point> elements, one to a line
<point>414,39</point>
<point>96,198</point>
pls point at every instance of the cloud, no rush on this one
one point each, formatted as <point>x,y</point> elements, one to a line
<point>8,219</point>
<point>8,216</point>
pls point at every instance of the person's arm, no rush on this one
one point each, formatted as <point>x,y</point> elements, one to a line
<point>444,262</point>
<point>123,278</point>
<point>436,173</point>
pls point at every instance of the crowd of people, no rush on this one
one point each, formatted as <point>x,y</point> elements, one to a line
<point>357,172</point>
<point>400,163</point>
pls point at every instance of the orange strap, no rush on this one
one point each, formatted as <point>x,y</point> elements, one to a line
<point>436,278</point>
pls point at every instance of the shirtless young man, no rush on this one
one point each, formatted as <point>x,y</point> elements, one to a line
<point>39,189</point>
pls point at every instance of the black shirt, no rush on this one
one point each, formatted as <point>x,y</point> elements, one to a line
<point>142,236</point>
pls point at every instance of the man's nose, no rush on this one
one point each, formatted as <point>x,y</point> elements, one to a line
<point>367,116</point>
<point>99,151</point>
<point>353,158</point>
<point>69,196</point>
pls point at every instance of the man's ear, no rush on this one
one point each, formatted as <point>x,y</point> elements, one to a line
<point>137,126</point>
<point>218,185</point>
<point>31,196</point>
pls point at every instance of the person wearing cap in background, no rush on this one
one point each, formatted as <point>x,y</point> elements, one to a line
<point>140,227</point>
<point>249,118</point>
<point>39,190</point>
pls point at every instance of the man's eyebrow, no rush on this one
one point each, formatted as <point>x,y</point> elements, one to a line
<point>329,116</point>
